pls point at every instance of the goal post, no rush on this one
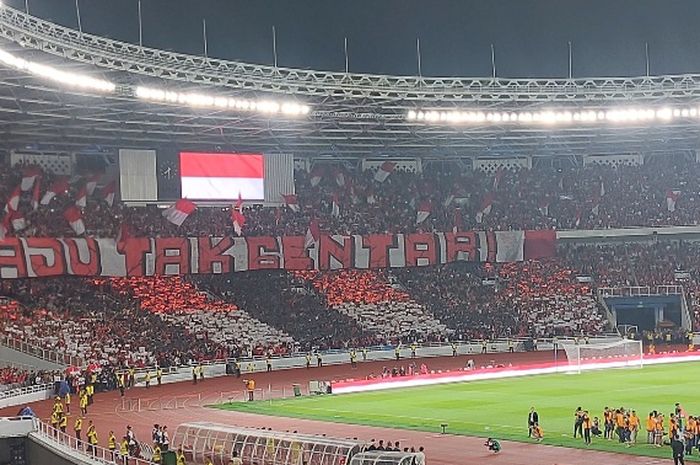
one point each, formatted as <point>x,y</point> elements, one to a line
<point>625,353</point>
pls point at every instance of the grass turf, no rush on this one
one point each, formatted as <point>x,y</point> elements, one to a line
<point>499,408</point>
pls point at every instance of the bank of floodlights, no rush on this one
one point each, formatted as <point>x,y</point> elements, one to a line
<point>267,107</point>
<point>558,117</point>
<point>50,73</point>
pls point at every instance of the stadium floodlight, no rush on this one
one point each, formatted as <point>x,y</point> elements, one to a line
<point>554,117</point>
<point>52,74</point>
<point>197,100</point>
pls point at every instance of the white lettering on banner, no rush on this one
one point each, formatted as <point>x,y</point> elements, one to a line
<point>42,257</point>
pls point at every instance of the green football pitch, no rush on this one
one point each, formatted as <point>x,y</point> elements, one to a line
<point>499,408</point>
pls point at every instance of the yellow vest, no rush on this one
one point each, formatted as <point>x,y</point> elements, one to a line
<point>78,424</point>
<point>180,459</point>
<point>156,454</point>
<point>124,447</point>
<point>63,422</point>
<point>68,398</point>
<point>112,443</point>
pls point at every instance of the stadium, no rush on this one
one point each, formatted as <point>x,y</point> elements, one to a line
<point>208,261</point>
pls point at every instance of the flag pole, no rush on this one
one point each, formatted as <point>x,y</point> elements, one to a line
<point>77,14</point>
<point>274,45</point>
<point>493,61</point>
<point>204,34</point>
<point>140,26</point>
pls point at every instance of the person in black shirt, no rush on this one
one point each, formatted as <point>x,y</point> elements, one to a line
<point>677,448</point>
<point>381,445</point>
<point>532,419</point>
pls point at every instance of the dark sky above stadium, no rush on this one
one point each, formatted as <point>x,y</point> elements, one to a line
<point>530,36</point>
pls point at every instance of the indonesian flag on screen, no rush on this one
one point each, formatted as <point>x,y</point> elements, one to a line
<point>313,234</point>
<point>423,212</point>
<point>29,175</point>
<point>108,192</point>
<point>217,176</point>
<point>237,217</point>
<point>58,187</point>
<point>13,201</point>
<point>81,197</point>
<point>291,201</point>
<point>178,213</point>
<point>671,199</point>
<point>91,183</point>
<point>384,171</point>
<point>75,219</point>
<point>514,246</point>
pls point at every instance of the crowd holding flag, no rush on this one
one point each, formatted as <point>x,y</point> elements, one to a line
<point>671,199</point>
<point>108,192</point>
<point>29,176</point>
<point>59,187</point>
<point>486,205</point>
<point>423,212</point>
<point>385,169</point>
<point>75,220</point>
<point>237,217</point>
<point>316,176</point>
<point>291,201</point>
<point>313,234</point>
<point>178,213</point>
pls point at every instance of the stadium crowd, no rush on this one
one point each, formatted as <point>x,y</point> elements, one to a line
<point>593,197</point>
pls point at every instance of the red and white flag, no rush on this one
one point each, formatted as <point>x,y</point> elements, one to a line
<point>316,176</point>
<point>108,192</point>
<point>217,176</point>
<point>448,200</point>
<point>237,217</point>
<point>291,201</point>
<point>91,183</point>
<point>19,223</point>
<point>513,246</point>
<point>335,206</point>
<point>385,169</point>
<point>36,194</point>
<point>596,207</point>
<point>339,178</point>
<point>75,220</point>
<point>13,201</point>
<point>313,234</point>
<point>371,199</point>
<point>544,207</point>
<point>671,199</point>
<point>578,217</point>
<point>58,187</point>
<point>423,212</point>
<point>486,206</point>
<point>601,191</point>
<point>178,213</point>
<point>81,197</point>
<point>29,176</point>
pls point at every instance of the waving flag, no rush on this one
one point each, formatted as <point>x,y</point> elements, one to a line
<point>108,192</point>
<point>18,221</point>
<point>237,217</point>
<point>81,197</point>
<point>424,209</point>
<point>316,176</point>
<point>291,201</point>
<point>13,201</point>
<point>384,171</point>
<point>91,183</point>
<point>335,206</point>
<point>178,213</point>
<point>58,187</point>
<point>29,176</point>
<point>75,219</point>
<point>36,193</point>
<point>671,199</point>
<point>313,234</point>
<point>486,206</point>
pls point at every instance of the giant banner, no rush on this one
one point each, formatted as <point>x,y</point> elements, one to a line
<point>43,257</point>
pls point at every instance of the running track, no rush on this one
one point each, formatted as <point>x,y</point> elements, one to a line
<point>440,449</point>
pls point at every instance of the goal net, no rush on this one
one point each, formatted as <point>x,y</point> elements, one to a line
<point>619,354</point>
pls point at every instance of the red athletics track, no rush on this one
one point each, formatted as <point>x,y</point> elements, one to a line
<point>440,449</point>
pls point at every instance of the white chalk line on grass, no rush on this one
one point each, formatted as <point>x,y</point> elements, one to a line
<point>354,415</point>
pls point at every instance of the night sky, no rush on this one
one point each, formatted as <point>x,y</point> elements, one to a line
<point>530,37</point>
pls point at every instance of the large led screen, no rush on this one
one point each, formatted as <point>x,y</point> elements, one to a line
<point>222,176</point>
